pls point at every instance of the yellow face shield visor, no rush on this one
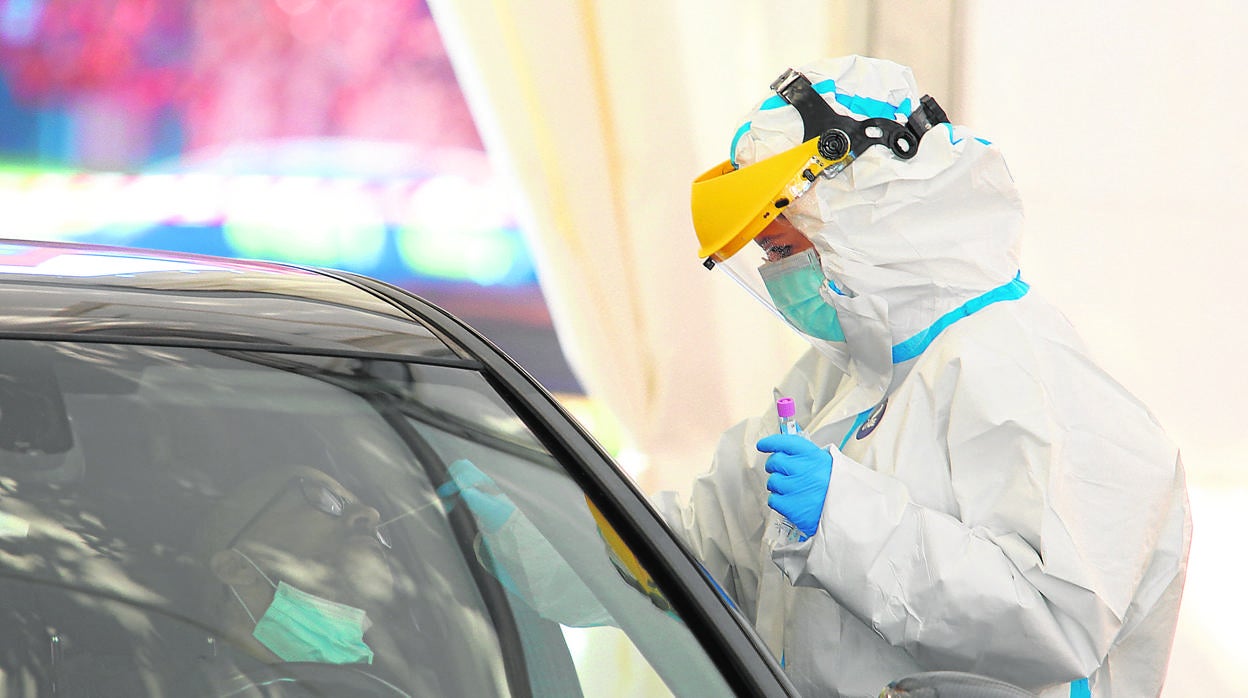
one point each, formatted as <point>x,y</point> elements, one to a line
<point>731,206</point>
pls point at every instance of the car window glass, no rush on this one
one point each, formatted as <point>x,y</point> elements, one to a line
<point>188,522</point>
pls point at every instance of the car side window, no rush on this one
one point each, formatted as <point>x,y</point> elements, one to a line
<point>174,520</point>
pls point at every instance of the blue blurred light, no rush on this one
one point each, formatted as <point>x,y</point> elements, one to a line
<point>19,19</point>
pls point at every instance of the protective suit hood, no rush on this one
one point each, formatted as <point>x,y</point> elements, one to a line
<point>907,242</point>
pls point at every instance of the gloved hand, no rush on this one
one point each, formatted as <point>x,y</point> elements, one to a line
<point>799,478</point>
<point>482,495</point>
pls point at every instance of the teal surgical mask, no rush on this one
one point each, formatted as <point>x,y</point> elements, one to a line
<point>303,627</point>
<point>793,284</point>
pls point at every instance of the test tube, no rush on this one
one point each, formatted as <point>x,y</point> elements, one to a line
<point>782,530</point>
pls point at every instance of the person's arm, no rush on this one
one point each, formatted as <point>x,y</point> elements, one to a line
<point>727,512</point>
<point>723,521</point>
<point>515,552</point>
<point>1031,573</point>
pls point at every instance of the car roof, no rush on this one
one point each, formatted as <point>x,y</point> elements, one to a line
<point>73,291</point>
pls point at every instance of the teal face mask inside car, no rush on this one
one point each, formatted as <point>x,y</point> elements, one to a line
<point>302,627</point>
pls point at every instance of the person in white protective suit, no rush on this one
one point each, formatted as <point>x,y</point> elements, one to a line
<point>974,492</point>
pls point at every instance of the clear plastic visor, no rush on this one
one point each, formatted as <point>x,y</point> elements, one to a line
<point>777,248</point>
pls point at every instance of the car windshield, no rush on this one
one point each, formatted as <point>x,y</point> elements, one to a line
<point>193,522</point>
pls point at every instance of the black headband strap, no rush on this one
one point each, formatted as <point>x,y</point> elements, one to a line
<point>841,135</point>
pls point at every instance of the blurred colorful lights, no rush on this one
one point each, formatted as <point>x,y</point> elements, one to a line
<point>441,228</point>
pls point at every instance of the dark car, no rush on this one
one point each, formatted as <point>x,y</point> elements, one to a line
<point>139,392</point>
<point>229,478</point>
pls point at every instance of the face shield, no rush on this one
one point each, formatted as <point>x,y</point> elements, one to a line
<point>737,212</point>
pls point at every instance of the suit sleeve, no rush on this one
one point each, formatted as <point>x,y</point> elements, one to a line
<point>724,519</point>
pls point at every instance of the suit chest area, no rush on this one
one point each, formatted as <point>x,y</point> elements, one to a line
<point>903,436</point>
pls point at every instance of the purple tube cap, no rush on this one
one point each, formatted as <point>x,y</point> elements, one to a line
<point>785,407</point>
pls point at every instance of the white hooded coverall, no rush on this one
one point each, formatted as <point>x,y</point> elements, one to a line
<point>998,503</point>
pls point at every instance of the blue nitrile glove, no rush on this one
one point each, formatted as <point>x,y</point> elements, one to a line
<point>482,495</point>
<point>799,478</point>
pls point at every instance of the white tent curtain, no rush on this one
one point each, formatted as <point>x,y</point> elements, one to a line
<point>602,113</point>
